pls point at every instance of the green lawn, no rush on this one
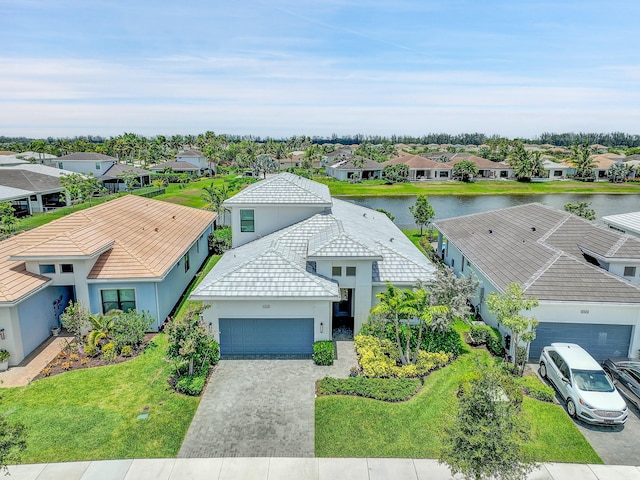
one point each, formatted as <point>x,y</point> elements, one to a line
<point>206,268</point>
<point>359,427</point>
<point>376,187</point>
<point>91,414</point>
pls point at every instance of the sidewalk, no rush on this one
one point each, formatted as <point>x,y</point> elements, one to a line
<point>29,368</point>
<point>290,469</point>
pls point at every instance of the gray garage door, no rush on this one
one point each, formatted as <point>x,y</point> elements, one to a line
<point>257,336</point>
<point>601,341</point>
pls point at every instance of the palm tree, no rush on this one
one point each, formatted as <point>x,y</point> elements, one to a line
<point>214,198</point>
<point>417,305</point>
<point>391,307</point>
<point>582,159</point>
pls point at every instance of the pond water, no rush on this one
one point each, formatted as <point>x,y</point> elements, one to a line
<point>447,206</point>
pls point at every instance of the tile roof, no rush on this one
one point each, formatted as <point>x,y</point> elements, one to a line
<point>284,188</point>
<point>44,170</point>
<point>347,164</point>
<point>418,162</point>
<point>627,221</point>
<point>175,166</point>
<point>133,237</point>
<point>28,180</point>
<point>87,156</point>
<point>10,193</point>
<point>190,153</point>
<point>118,169</point>
<point>275,265</point>
<point>542,249</point>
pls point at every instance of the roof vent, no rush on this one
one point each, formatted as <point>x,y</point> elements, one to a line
<point>364,214</point>
<point>156,229</point>
<point>533,229</point>
<point>391,239</point>
<point>490,231</point>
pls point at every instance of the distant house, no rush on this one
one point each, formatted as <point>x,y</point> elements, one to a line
<point>195,158</point>
<point>486,168</point>
<point>346,169</point>
<point>586,277</point>
<point>628,223</point>
<point>422,168</point>
<point>602,164</point>
<point>177,167</point>
<point>128,253</point>
<point>302,264</point>
<point>105,168</point>
<point>32,188</point>
<point>557,171</point>
<point>113,180</point>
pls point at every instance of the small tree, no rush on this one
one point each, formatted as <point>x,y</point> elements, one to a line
<point>507,307</point>
<point>76,318</point>
<point>131,180</point>
<point>581,209</point>
<point>263,164</point>
<point>7,217</point>
<point>190,341</point>
<point>486,436</point>
<point>465,170</point>
<point>456,292</point>
<point>396,173</point>
<point>422,212</point>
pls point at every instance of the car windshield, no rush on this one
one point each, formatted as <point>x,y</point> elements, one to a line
<point>592,381</point>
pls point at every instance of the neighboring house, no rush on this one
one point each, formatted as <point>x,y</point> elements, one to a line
<point>11,161</point>
<point>345,169</point>
<point>195,158</point>
<point>36,157</point>
<point>586,277</point>
<point>628,223</point>
<point>128,253</point>
<point>177,167</point>
<point>39,188</point>
<point>86,163</point>
<point>302,264</point>
<point>602,164</point>
<point>113,181</point>
<point>486,168</point>
<point>422,168</point>
<point>557,171</point>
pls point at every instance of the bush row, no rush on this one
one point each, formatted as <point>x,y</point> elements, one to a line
<point>486,335</point>
<point>380,358</point>
<point>323,352</point>
<point>386,389</point>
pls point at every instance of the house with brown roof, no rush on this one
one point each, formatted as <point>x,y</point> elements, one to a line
<point>423,168</point>
<point>585,277</point>
<point>128,253</point>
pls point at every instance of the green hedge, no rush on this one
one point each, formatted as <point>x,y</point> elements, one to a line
<point>533,387</point>
<point>486,335</point>
<point>386,389</point>
<point>191,384</point>
<point>432,340</point>
<point>323,352</point>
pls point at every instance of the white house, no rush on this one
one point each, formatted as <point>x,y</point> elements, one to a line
<point>86,162</point>
<point>302,264</point>
<point>628,223</point>
<point>586,277</point>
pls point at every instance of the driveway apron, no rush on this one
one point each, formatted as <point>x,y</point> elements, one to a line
<point>260,408</point>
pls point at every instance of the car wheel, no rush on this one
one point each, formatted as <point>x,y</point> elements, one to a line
<point>571,408</point>
<point>543,370</point>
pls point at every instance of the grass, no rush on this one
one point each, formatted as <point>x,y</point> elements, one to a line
<point>360,427</point>
<point>92,414</point>
<point>377,187</point>
<point>184,301</point>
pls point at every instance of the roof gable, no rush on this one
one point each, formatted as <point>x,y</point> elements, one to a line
<point>283,189</point>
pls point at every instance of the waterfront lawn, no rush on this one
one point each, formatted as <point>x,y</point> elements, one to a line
<point>358,427</point>
<point>92,414</point>
<point>505,187</point>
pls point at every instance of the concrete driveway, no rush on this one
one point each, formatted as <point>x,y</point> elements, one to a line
<point>261,408</point>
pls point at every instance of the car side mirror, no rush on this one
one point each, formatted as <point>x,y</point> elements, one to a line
<point>566,380</point>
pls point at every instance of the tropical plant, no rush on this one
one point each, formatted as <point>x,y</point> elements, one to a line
<point>581,209</point>
<point>101,327</point>
<point>582,159</point>
<point>131,180</point>
<point>215,197</point>
<point>526,165</point>
<point>465,170</point>
<point>76,318</point>
<point>398,173</point>
<point>507,307</point>
<point>619,172</point>
<point>7,216</point>
<point>262,165</point>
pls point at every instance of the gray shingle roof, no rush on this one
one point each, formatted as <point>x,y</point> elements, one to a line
<point>628,221</point>
<point>84,156</point>
<point>28,180</point>
<point>542,249</point>
<point>275,265</point>
<point>284,188</point>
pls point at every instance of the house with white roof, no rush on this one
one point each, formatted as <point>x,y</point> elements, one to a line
<point>302,264</point>
<point>628,223</point>
<point>585,277</point>
<point>127,253</point>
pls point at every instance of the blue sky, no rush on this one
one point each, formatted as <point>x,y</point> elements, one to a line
<point>291,67</point>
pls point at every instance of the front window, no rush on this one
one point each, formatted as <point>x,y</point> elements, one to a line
<point>629,271</point>
<point>47,268</point>
<point>66,268</point>
<point>351,271</point>
<point>592,381</point>
<point>336,271</point>
<point>118,299</point>
<point>246,221</point>
<point>97,165</point>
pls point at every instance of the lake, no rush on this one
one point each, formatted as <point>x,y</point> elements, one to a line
<point>447,206</point>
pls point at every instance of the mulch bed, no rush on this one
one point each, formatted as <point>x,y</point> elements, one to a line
<point>66,361</point>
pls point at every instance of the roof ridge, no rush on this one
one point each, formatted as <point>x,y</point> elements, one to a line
<point>399,253</point>
<point>541,271</point>
<point>616,246</point>
<point>543,239</point>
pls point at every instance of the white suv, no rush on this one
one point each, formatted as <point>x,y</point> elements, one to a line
<point>583,384</point>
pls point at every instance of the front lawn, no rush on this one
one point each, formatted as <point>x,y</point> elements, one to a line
<point>92,414</point>
<point>360,427</point>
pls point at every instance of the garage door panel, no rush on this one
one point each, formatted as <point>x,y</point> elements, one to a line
<point>253,336</point>
<point>600,340</point>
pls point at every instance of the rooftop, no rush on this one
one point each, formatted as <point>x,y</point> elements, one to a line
<point>626,221</point>
<point>87,156</point>
<point>284,188</point>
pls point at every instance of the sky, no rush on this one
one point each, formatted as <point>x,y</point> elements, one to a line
<point>279,68</point>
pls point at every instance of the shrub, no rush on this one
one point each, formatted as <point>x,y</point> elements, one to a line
<point>533,387</point>
<point>448,341</point>
<point>323,352</point>
<point>191,384</point>
<point>486,335</point>
<point>126,351</point>
<point>91,350</point>
<point>129,328</point>
<point>386,389</point>
<point>109,352</point>
<point>65,365</point>
<point>74,357</point>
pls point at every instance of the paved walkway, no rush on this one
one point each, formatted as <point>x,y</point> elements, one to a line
<point>291,469</point>
<point>29,368</point>
<point>261,408</point>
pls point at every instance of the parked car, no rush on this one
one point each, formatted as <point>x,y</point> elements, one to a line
<point>583,384</point>
<point>625,373</point>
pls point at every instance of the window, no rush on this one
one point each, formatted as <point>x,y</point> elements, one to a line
<point>462,267</point>
<point>33,198</point>
<point>66,268</point>
<point>186,262</point>
<point>246,221</point>
<point>120,299</point>
<point>60,165</point>
<point>336,271</point>
<point>47,268</point>
<point>557,173</point>
<point>97,165</point>
<point>444,174</point>
<point>629,271</point>
<point>351,271</point>
<point>312,267</point>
